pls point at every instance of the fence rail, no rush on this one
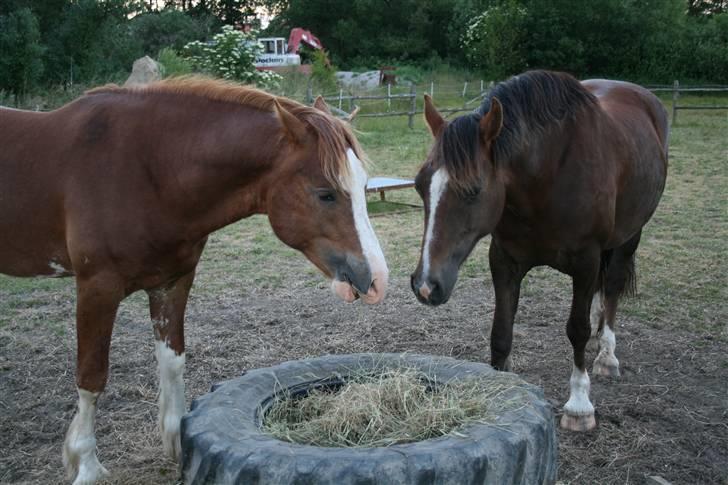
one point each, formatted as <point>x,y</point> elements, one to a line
<point>453,91</point>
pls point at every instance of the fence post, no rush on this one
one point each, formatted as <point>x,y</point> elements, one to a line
<point>481,86</point>
<point>411,115</point>
<point>341,95</point>
<point>389,96</point>
<point>675,96</point>
<point>465,88</point>
<point>432,89</point>
<point>309,93</point>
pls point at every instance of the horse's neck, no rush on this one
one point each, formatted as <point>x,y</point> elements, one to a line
<point>223,176</point>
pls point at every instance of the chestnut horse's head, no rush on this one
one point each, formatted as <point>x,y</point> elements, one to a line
<point>317,204</point>
<point>462,194</point>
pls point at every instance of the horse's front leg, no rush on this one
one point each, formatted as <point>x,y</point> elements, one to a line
<point>578,410</point>
<point>507,275</point>
<point>98,299</point>
<point>167,308</point>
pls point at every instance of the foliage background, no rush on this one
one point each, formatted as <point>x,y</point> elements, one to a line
<point>49,43</point>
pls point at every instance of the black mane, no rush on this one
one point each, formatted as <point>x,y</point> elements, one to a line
<point>531,102</point>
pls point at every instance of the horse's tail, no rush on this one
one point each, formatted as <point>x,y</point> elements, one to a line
<point>621,281</point>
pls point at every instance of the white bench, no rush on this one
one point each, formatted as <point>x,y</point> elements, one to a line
<point>382,184</point>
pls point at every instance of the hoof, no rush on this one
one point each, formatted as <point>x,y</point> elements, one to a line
<point>578,423</point>
<point>605,370</point>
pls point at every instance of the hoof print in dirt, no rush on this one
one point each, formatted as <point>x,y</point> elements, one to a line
<point>224,439</point>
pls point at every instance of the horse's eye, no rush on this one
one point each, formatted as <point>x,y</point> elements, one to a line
<point>327,196</point>
<point>471,194</point>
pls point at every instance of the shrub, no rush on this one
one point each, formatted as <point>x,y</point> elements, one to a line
<point>495,39</point>
<point>173,64</point>
<point>323,73</point>
<point>230,55</point>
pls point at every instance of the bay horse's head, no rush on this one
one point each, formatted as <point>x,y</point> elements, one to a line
<point>462,193</point>
<point>317,204</point>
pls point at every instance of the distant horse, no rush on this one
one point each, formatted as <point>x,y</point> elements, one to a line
<point>121,188</point>
<point>561,173</point>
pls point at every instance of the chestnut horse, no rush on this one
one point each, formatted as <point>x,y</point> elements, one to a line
<point>121,188</point>
<point>560,173</point>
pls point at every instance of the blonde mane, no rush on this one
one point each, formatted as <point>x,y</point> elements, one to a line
<point>335,136</point>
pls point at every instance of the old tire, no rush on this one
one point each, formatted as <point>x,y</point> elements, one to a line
<point>222,441</point>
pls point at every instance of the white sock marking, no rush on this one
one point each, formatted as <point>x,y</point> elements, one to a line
<point>579,403</point>
<point>438,183</point>
<point>79,450</point>
<point>607,344</point>
<point>367,239</point>
<point>171,397</point>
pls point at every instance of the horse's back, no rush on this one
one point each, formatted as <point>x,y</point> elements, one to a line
<point>641,120</point>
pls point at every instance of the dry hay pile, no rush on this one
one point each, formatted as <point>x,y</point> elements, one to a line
<point>392,407</point>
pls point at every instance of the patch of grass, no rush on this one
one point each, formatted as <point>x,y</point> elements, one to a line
<point>391,407</point>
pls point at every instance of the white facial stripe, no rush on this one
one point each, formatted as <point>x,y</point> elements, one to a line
<point>579,403</point>
<point>171,396</point>
<point>368,241</point>
<point>438,183</point>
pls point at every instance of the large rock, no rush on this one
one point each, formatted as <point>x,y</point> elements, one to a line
<point>144,71</point>
<point>352,80</point>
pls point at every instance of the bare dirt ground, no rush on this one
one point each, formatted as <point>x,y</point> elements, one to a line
<point>256,303</point>
<point>667,415</point>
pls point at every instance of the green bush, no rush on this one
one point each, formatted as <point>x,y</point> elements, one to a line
<point>230,55</point>
<point>495,40</point>
<point>172,64</point>
<point>323,73</point>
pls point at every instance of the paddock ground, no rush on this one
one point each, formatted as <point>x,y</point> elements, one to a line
<point>256,303</point>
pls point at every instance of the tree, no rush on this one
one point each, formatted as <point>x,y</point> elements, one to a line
<point>707,7</point>
<point>20,51</point>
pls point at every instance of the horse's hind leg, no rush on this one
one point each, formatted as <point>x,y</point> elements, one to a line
<point>619,279</point>
<point>167,308</point>
<point>97,302</point>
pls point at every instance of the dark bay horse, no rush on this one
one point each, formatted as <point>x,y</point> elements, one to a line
<point>560,173</point>
<point>121,188</point>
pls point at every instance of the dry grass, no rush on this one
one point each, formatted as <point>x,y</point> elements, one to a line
<point>391,407</point>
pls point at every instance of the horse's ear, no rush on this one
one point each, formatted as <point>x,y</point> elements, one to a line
<point>295,128</point>
<point>352,115</point>
<point>320,104</point>
<point>434,121</point>
<point>492,122</point>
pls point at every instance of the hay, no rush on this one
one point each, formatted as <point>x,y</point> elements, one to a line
<point>391,407</point>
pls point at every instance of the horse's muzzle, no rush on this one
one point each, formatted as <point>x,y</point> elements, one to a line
<point>354,279</point>
<point>428,291</point>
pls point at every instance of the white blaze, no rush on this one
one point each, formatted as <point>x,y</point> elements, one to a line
<point>438,183</point>
<point>171,397</point>
<point>368,241</point>
<point>79,450</point>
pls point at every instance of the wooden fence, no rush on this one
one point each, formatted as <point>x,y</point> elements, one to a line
<point>676,89</point>
<point>350,100</point>
<point>343,103</point>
